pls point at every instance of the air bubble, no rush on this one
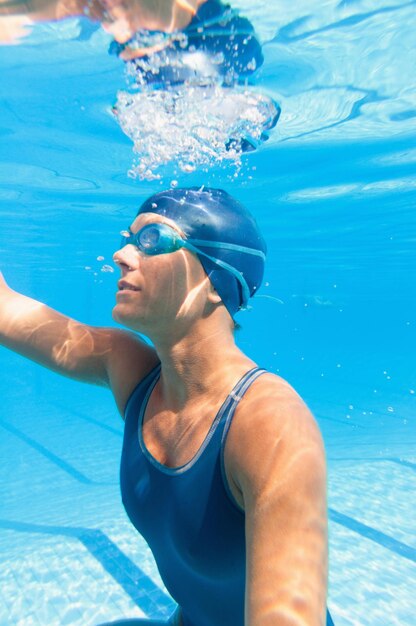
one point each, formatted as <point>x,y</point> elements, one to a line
<point>107,268</point>
<point>191,126</point>
<point>100,258</point>
<point>173,183</point>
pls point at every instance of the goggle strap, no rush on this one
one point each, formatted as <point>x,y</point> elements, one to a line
<point>225,266</point>
<point>226,246</point>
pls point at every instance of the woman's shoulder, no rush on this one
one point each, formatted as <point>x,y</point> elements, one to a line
<point>272,414</point>
<point>274,444</point>
<point>272,394</point>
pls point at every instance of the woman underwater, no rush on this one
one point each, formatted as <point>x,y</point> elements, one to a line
<point>223,467</point>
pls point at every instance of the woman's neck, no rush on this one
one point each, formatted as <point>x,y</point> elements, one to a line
<point>205,361</point>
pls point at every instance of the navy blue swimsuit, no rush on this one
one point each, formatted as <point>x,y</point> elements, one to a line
<point>188,515</point>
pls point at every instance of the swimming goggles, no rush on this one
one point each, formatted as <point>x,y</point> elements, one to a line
<point>154,239</point>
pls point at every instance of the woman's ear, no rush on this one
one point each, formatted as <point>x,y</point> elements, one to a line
<point>213,296</point>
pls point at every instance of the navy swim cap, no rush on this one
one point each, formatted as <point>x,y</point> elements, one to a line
<point>213,216</point>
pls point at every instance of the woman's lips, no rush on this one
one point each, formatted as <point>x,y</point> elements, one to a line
<point>123,285</point>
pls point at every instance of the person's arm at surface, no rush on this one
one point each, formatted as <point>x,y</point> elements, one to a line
<point>101,356</point>
<point>282,479</point>
<point>122,18</point>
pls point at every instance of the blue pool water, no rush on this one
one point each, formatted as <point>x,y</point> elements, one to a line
<point>334,192</point>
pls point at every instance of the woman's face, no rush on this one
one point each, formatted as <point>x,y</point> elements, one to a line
<point>156,291</point>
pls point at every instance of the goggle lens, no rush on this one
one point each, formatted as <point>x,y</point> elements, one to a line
<point>153,239</point>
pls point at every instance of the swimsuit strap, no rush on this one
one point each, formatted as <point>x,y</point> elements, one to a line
<point>241,387</point>
<point>236,395</point>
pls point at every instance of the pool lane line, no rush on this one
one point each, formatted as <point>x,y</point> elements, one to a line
<point>376,459</point>
<point>132,579</point>
<point>87,418</point>
<point>398,547</point>
<point>402,462</point>
<point>368,444</point>
<point>63,465</point>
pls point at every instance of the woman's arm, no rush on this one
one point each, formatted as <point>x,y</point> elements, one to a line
<point>101,356</point>
<point>282,478</point>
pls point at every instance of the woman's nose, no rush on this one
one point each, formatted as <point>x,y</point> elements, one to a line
<point>126,256</point>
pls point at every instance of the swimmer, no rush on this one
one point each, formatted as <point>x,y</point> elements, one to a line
<point>121,18</point>
<point>223,466</point>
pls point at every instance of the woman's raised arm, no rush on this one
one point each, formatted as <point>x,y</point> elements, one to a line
<point>101,356</point>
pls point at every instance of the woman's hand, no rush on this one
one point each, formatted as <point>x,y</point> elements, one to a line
<point>122,18</point>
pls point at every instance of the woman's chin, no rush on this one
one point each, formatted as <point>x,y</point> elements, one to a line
<point>122,315</point>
